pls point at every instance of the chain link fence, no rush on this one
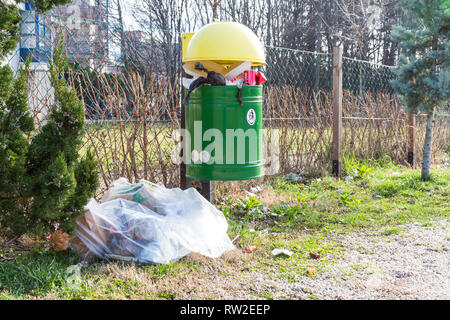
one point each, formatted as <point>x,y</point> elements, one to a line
<point>131,87</point>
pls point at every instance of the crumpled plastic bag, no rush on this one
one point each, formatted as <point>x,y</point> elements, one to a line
<point>148,223</point>
<point>145,192</point>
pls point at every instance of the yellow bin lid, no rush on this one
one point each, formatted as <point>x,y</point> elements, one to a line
<point>225,43</point>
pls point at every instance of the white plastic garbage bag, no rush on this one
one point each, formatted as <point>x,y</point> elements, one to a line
<point>161,226</point>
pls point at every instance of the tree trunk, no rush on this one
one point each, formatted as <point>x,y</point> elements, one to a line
<point>426,161</point>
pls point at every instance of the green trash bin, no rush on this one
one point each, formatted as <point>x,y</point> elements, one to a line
<point>225,137</point>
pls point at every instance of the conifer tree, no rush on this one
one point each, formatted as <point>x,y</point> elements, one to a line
<point>9,28</point>
<point>61,183</point>
<point>16,124</point>
<point>43,179</point>
<point>423,66</point>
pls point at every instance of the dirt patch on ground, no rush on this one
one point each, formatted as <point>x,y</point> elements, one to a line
<point>412,264</point>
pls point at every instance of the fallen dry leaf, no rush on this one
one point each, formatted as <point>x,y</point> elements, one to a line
<point>59,240</point>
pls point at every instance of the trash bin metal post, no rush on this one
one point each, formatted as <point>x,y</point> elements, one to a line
<point>185,182</point>
<point>208,191</point>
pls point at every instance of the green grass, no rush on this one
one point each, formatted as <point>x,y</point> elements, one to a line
<point>391,231</point>
<point>36,273</point>
<point>381,201</point>
<point>46,276</point>
<point>301,245</point>
<point>390,196</point>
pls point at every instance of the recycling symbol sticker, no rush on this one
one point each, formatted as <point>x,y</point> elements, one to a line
<point>251,117</point>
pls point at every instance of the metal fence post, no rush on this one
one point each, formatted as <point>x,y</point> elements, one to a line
<point>336,153</point>
<point>185,182</point>
<point>411,138</point>
<point>208,191</point>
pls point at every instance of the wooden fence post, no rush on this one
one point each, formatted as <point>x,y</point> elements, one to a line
<point>411,138</point>
<point>336,153</point>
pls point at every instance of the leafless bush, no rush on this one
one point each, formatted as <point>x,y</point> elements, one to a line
<point>131,119</point>
<point>130,125</point>
<point>374,125</point>
<point>441,137</point>
<point>304,122</point>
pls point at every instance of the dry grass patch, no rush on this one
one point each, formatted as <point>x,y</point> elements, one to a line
<point>271,198</point>
<point>231,257</point>
<point>265,193</point>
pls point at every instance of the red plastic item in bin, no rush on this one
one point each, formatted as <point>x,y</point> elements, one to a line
<point>260,78</point>
<point>249,77</point>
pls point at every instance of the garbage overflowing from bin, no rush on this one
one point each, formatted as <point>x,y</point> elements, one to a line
<point>224,51</point>
<point>148,223</point>
<point>247,77</point>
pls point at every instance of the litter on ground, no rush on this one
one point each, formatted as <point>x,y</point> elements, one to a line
<point>277,252</point>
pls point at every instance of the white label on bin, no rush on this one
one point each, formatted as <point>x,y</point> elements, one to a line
<point>194,156</point>
<point>251,117</point>
<point>204,156</point>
